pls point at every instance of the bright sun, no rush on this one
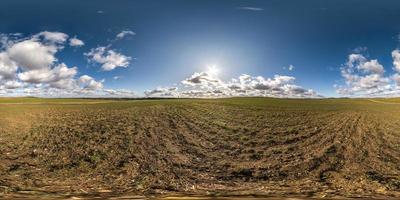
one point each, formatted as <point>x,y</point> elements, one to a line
<point>213,70</point>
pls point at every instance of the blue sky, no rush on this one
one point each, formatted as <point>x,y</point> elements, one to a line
<point>173,40</point>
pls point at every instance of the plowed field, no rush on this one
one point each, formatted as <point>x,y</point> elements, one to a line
<point>240,146</point>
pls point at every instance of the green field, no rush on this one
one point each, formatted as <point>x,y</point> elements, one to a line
<point>234,146</point>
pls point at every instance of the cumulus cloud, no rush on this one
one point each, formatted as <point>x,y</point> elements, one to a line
<point>362,64</point>
<point>75,42</point>
<point>56,77</point>
<point>396,60</point>
<point>396,79</point>
<point>372,66</point>
<point>55,37</point>
<point>109,59</point>
<point>29,66</point>
<point>124,33</point>
<point>8,67</point>
<point>88,83</point>
<point>162,92</point>
<point>8,39</point>
<point>278,86</point>
<point>366,77</point>
<point>202,84</point>
<point>201,79</point>
<point>13,84</point>
<point>32,54</point>
<point>120,93</point>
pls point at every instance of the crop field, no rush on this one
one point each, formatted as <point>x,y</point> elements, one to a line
<point>237,146</point>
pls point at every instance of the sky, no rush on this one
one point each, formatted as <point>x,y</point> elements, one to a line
<point>216,48</point>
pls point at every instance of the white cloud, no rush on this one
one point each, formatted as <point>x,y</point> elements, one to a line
<point>13,84</point>
<point>75,42</point>
<point>55,37</point>
<point>162,92</point>
<point>54,76</point>
<point>290,68</point>
<point>109,59</point>
<point>120,93</point>
<point>201,84</point>
<point>372,66</point>
<point>37,59</point>
<point>3,40</point>
<point>396,59</point>
<point>366,78</point>
<point>31,54</point>
<point>250,8</point>
<point>29,66</point>
<point>8,67</point>
<point>279,86</point>
<point>364,65</point>
<point>125,33</point>
<point>88,83</point>
<point>396,78</point>
<point>7,40</point>
<point>201,79</point>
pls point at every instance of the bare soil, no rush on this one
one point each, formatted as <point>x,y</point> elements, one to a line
<point>260,146</point>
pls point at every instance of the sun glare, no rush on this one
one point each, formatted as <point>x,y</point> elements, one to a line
<point>213,70</point>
